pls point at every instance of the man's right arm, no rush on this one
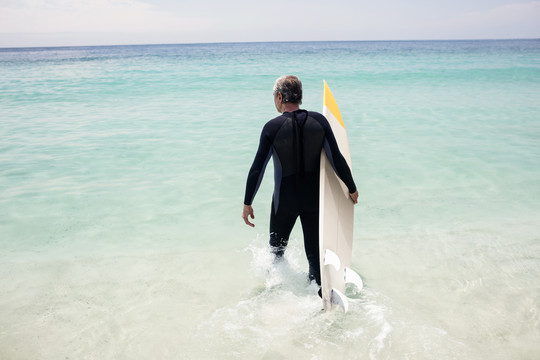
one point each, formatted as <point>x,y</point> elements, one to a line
<point>256,172</point>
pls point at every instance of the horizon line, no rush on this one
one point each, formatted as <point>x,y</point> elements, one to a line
<point>260,42</point>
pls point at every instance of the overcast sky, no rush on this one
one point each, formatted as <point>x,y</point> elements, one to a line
<point>105,22</point>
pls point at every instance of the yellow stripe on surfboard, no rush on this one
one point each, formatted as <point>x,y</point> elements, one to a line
<point>331,104</point>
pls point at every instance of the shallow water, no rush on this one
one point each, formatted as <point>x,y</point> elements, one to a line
<point>121,181</point>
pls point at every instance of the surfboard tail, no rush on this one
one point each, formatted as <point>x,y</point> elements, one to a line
<point>333,269</point>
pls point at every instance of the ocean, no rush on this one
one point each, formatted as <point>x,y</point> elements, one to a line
<point>122,174</point>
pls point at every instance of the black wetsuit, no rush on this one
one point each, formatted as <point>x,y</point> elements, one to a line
<point>295,141</point>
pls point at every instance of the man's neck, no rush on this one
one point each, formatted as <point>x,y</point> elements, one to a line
<point>288,107</point>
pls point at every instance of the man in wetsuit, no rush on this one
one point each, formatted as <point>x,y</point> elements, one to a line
<point>295,140</point>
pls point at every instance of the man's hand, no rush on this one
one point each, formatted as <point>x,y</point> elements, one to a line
<point>248,212</point>
<point>354,197</point>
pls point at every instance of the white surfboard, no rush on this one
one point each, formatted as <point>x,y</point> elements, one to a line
<point>336,218</point>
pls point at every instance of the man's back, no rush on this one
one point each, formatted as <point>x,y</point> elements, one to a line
<point>298,144</point>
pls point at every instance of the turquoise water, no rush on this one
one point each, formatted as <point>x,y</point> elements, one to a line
<point>122,173</point>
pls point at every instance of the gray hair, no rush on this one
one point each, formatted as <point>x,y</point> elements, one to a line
<point>290,87</point>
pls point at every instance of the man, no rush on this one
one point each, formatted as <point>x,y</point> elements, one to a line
<point>295,140</point>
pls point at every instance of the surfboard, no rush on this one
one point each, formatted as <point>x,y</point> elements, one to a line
<point>336,218</point>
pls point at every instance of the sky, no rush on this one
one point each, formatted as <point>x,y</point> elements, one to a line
<point>111,22</point>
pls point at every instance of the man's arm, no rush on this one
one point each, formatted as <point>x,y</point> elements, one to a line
<point>338,162</point>
<point>334,155</point>
<point>256,173</point>
<point>340,165</point>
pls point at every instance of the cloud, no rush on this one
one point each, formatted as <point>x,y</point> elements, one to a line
<point>112,16</point>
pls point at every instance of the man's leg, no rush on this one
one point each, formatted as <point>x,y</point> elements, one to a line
<point>310,227</point>
<point>281,225</point>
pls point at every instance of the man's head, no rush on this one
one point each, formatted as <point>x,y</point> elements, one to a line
<point>290,88</point>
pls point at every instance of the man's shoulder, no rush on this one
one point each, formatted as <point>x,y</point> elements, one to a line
<point>315,114</point>
<point>319,117</point>
<point>277,119</point>
<point>274,124</point>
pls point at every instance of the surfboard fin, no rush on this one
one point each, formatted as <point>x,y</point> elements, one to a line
<point>351,277</point>
<point>331,258</point>
<point>340,299</point>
